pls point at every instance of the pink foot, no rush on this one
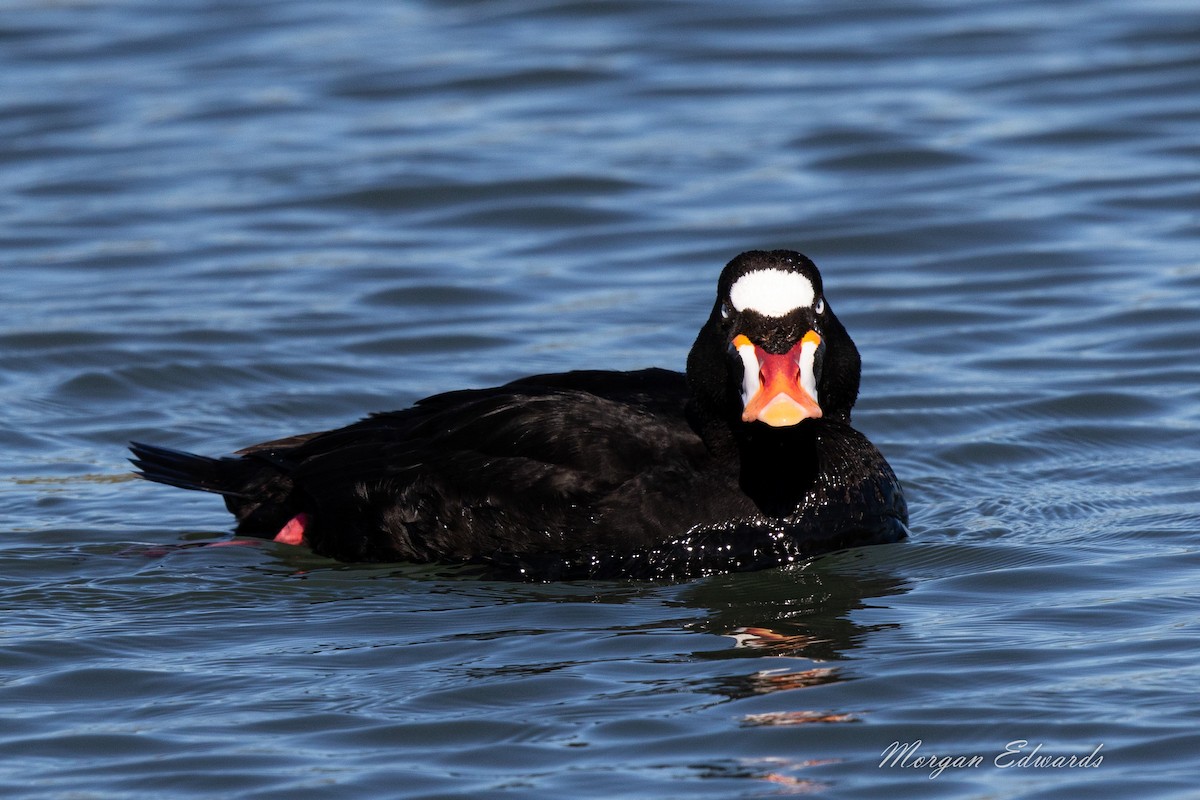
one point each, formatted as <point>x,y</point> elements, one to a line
<point>293,532</point>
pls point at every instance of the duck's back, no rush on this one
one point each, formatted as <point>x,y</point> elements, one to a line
<point>560,463</point>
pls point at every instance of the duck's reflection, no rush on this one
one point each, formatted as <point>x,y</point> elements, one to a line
<point>799,627</point>
<point>803,615</point>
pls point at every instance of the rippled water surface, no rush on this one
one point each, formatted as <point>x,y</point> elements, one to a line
<point>223,222</point>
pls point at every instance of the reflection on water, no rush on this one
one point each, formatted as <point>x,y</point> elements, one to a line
<point>796,611</point>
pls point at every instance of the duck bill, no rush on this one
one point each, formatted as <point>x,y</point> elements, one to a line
<point>779,389</point>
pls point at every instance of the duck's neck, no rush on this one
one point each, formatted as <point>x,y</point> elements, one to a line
<point>775,466</point>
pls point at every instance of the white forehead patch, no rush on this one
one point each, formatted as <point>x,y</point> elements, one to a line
<point>771,292</point>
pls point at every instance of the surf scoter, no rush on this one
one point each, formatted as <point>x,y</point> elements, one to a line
<point>748,461</point>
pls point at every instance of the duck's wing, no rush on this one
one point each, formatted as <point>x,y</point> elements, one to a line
<point>519,467</point>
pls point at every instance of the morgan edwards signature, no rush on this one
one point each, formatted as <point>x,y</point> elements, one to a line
<point>1017,754</point>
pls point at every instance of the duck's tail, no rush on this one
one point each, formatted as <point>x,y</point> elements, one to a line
<point>257,490</point>
<point>187,470</point>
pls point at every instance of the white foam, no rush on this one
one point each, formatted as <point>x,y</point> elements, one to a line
<point>772,292</point>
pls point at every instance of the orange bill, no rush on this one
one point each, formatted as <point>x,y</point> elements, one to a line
<point>779,389</point>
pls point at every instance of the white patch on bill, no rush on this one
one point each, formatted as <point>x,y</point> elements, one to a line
<point>749,371</point>
<point>771,292</point>
<point>808,376</point>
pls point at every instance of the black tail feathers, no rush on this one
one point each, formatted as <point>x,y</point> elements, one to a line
<point>186,470</point>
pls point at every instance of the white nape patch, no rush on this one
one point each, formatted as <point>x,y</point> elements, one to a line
<point>771,292</point>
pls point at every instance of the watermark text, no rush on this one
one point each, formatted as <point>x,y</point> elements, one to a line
<point>1017,754</point>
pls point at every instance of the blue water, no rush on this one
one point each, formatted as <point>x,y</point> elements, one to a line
<point>224,222</point>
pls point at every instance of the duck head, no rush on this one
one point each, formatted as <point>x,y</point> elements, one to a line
<point>772,353</point>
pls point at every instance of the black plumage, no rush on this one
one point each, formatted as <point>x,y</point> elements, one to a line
<point>648,474</point>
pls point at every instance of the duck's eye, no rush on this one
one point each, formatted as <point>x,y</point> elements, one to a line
<point>725,311</point>
<point>819,306</point>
